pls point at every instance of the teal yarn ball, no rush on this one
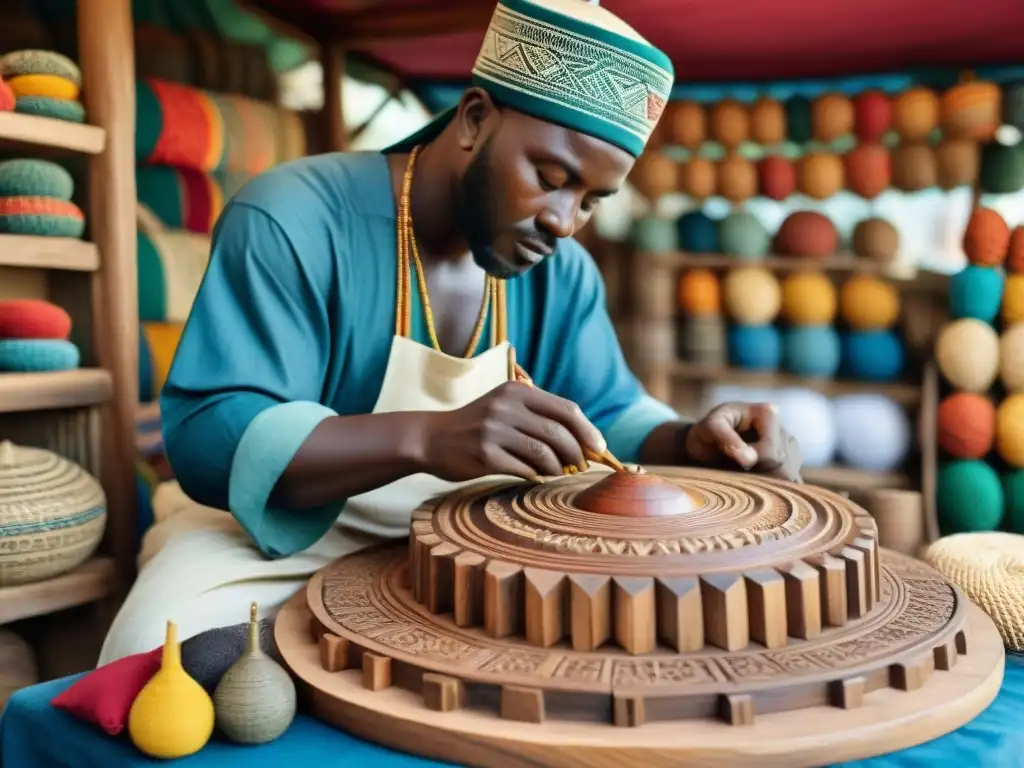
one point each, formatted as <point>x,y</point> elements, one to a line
<point>655,235</point>
<point>799,128</point>
<point>969,497</point>
<point>742,234</point>
<point>42,225</point>
<point>811,350</point>
<point>149,119</point>
<point>36,355</point>
<point>872,355</point>
<point>147,386</point>
<point>152,283</point>
<point>35,178</point>
<point>698,233</point>
<point>755,347</point>
<point>1013,491</point>
<point>44,106</point>
<point>977,292</point>
<point>158,188</point>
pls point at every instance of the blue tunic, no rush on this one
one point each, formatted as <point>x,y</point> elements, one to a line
<point>294,320</point>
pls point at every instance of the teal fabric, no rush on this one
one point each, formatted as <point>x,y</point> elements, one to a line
<point>28,725</point>
<point>298,305</point>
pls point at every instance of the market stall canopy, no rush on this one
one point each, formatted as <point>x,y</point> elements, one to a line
<point>708,41</point>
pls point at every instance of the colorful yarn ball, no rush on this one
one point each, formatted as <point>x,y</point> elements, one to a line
<point>874,432</point>
<point>43,216</point>
<point>808,298</point>
<point>35,178</point>
<point>1013,491</point>
<point>868,170</point>
<point>776,177</point>
<point>820,175</point>
<point>971,110</point>
<point>1011,358</point>
<point>1013,299</point>
<point>806,233</point>
<point>7,99</point>
<point>698,293</point>
<point>730,123</point>
<point>698,233</point>
<point>1010,430</point>
<point>958,163</point>
<point>811,350</point>
<point>47,86</point>
<point>189,126</point>
<point>38,62</point>
<point>654,175</point>
<point>742,234</point>
<point>876,239</point>
<point>38,355</point>
<point>751,295</point>
<point>967,354</point>
<point>915,114</point>
<point>976,291</point>
<point>969,497</point>
<point>654,234</point>
<point>755,347</point>
<point>1002,168</point>
<point>914,167</point>
<point>768,122</point>
<point>832,116</point>
<point>872,115</point>
<point>698,178</point>
<point>966,425</point>
<point>872,355</point>
<point>1013,106</point>
<point>1015,251</point>
<point>986,238</point>
<point>737,178</point>
<point>869,303</point>
<point>799,125</point>
<point>687,124</point>
<point>56,109</point>
<point>33,319</point>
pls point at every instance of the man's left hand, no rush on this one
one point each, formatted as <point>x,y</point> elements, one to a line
<point>744,435</point>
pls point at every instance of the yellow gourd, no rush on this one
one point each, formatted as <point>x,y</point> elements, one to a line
<point>173,715</point>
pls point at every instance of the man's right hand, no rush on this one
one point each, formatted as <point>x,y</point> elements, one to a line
<point>514,430</point>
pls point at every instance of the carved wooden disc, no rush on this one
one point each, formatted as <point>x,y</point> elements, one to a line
<point>635,494</point>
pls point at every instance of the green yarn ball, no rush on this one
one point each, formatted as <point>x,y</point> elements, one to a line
<point>1002,168</point>
<point>35,178</point>
<point>798,120</point>
<point>36,62</point>
<point>1013,106</point>
<point>743,235</point>
<point>1013,490</point>
<point>969,496</point>
<point>42,225</point>
<point>655,235</point>
<point>44,106</point>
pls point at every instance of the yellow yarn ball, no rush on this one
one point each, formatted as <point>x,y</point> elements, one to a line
<point>868,303</point>
<point>1010,430</point>
<point>808,298</point>
<point>1011,358</point>
<point>967,353</point>
<point>751,295</point>
<point>50,86</point>
<point>1013,299</point>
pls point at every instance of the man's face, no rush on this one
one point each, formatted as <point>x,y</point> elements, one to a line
<point>529,183</point>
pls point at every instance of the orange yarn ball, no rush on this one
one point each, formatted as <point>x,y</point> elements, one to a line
<point>914,167</point>
<point>868,303</point>
<point>820,175</point>
<point>987,238</point>
<point>698,178</point>
<point>737,179</point>
<point>868,170</point>
<point>699,293</point>
<point>1015,252</point>
<point>687,124</point>
<point>915,114</point>
<point>730,123</point>
<point>832,116</point>
<point>967,425</point>
<point>972,110</point>
<point>958,162</point>
<point>768,122</point>
<point>655,175</point>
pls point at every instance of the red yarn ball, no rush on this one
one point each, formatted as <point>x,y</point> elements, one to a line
<point>1015,253</point>
<point>776,177</point>
<point>6,97</point>
<point>872,115</point>
<point>868,170</point>
<point>806,233</point>
<point>33,319</point>
<point>967,425</point>
<point>987,238</point>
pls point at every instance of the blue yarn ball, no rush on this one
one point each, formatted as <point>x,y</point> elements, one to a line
<point>698,233</point>
<point>810,350</point>
<point>756,347</point>
<point>35,355</point>
<point>872,355</point>
<point>976,292</point>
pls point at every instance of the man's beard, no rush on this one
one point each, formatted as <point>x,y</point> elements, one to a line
<point>473,216</point>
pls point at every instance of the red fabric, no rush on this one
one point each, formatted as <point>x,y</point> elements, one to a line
<point>104,697</point>
<point>198,196</point>
<point>33,319</point>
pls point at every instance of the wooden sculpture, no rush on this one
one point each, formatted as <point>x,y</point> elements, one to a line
<point>660,619</point>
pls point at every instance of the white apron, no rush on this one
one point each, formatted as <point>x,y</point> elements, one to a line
<point>199,568</point>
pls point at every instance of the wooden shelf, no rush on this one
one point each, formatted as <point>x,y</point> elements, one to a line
<point>61,389</point>
<point>905,394</point>
<point>65,253</point>
<point>61,135</point>
<point>840,478</point>
<point>89,582</point>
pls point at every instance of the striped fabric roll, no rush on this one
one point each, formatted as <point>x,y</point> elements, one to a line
<point>171,265</point>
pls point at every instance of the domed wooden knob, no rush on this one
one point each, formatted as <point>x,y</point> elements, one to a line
<point>635,494</point>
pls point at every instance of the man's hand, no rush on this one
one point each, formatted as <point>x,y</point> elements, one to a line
<point>514,430</point>
<point>746,435</point>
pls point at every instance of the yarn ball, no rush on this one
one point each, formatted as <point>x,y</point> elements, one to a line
<point>698,292</point>
<point>33,319</point>
<point>967,354</point>
<point>969,497</point>
<point>868,170</point>
<point>915,114</point>
<point>655,234</point>
<point>1013,491</point>
<point>799,125</point>
<point>872,115</point>
<point>7,99</point>
<point>806,233</point>
<point>808,416</point>
<point>737,179</point>
<point>808,298</point>
<point>914,167</point>
<point>820,175</point>
<point>876,239</point>
<point>687,124</point>
<point>1015,251</point>
<point>754,347</point>
<point>966,425</point>
<point>35,178</point>
<point>1002,168</point>
<point>869,303</point>
<point>742,234</point>
<point>655,175</point>
<point>698,178</point>
<point>768,122</point>
<point>698,233</point>
<point>872,355</point>
<point>1013,299</point>
<point>1010,430</point>
<point>976,291</point>
<point>751,295</point>
<point>57,109</point>
<point>874,432</point>
<point>38,62</point>
<point>1011,358</point>
<point>971,110</point>
<point>40,216</point>
<point>986,238</point>
<point>776,177</point>
<point>37,355</point>
<point>1013,106</point>
<point>48,86</point>
<point>958,163</point>
<point>811,350</point>
<point>730,123</point>
<point>832,116</point>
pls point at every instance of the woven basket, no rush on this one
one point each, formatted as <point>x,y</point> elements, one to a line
<point>52,514</point>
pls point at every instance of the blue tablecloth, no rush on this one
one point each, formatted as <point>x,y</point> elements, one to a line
<point>35,735</point>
